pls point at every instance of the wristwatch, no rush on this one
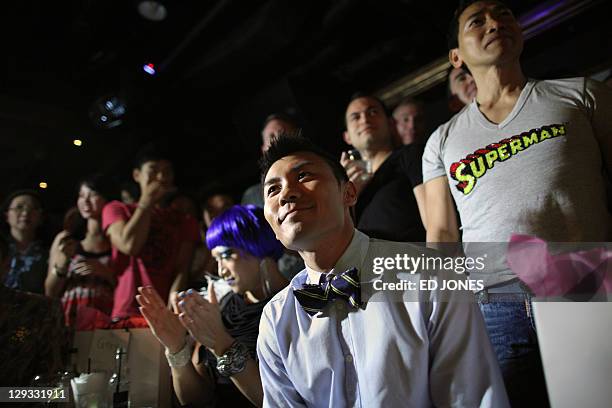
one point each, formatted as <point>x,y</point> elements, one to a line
<point>234,360</point>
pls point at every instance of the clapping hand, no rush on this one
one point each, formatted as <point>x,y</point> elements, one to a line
<point>164,324</point>
<point>202,318</point>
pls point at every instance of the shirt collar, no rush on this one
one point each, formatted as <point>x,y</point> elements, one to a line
<point>353,256</point>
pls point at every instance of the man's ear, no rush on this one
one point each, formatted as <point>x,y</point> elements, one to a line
<point>347,138</point>
<point>136,175</point>
<point>455,58</point>
<point>350,194</point>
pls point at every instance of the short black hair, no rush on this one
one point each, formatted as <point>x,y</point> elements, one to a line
<point>24,192</point>
<point>452,36</point>
<point>282,116</point>
<point>152,152</point>
<point>212,189</point>
<point>409,100</point>
<point>285,145</point>
<point>359,95</point>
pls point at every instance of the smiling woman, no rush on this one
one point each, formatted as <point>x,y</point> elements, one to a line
<point>80,269</point>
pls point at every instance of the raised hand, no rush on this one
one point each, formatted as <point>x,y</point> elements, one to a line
<point>355,171</point>
<point>202,319</point>
<point>152,193</point>
<point>164,324</point>
<point>66,249</point>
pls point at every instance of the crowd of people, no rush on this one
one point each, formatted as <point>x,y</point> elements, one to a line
<point>262,303</point>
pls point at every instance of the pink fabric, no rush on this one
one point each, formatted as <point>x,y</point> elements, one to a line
<point>157,261</point>
<point>89,318</point>
<point>550,275</point>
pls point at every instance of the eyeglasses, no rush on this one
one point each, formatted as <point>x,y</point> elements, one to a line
<point>23,208</point>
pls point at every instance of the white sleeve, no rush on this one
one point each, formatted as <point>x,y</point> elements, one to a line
<point>277,387</point>
<point>464,371</point>
<point>433,166</point>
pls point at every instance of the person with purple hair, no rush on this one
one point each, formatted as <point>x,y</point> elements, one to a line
<point>225,330</point>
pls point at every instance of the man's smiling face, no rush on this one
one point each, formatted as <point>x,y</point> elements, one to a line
<point>304,202</point>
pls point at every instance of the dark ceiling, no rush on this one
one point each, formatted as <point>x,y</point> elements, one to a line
<point>222,66</point>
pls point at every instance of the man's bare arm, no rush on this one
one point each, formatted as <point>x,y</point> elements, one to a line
<point>419,194</point>
<point>441,219</point>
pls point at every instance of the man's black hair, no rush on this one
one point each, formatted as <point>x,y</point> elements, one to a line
<point>409,100</point>
<point>282,116</point>
<point>152,152</point>
<point>213,189</point>
<point>452,36</point>
<point>359,94</point>
<point>286,145</point>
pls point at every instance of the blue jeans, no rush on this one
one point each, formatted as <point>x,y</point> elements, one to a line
<point>511,328</point>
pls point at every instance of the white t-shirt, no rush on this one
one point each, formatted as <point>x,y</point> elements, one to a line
<point>538,172</point>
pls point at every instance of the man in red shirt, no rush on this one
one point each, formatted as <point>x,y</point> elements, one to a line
<point>151,245</point>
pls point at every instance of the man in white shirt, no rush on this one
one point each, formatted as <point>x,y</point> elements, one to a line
<point>364,350</point>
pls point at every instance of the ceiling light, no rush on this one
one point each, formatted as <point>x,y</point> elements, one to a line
<point>152,10</point>
<point>149,69</point>
<point>107,112</point>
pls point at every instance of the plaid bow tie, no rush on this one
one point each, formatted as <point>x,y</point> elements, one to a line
<point>313,298</point>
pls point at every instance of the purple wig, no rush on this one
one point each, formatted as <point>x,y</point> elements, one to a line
<point>245,228</point>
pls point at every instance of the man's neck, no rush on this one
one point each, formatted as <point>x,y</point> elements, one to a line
<point>327,253</point>
<point>498,86</point>
<point>376,157</point>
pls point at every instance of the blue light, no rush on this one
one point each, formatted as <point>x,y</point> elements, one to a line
<point>149,69</point>
<point>103,118</point>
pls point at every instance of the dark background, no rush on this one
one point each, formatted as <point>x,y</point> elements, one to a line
<point>222,66</point>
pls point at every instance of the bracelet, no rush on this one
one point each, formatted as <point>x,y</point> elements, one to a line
<point>234,360</point>
<point>181,358</point>
<point>60,272</point>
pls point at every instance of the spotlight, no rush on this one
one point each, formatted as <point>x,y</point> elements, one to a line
<point>42,185</point>
<point>77,142</point>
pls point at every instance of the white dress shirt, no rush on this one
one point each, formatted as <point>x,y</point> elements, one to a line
<point>415,352</point>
